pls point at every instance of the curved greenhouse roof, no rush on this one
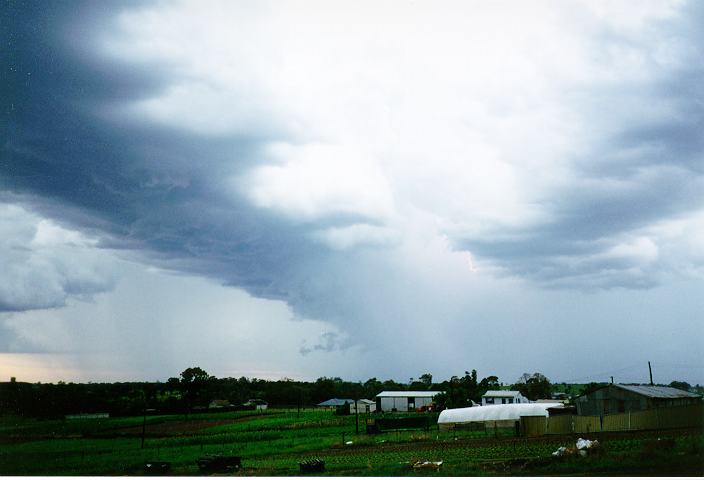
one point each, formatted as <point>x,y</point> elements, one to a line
<point>511,411</point>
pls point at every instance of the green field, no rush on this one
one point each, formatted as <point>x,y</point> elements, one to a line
<point>273,442</point>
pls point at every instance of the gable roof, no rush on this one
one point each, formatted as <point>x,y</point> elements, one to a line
<point>501,393</point>
<point>334,402</point>
<point>409,393</point>
<point>653,391</point>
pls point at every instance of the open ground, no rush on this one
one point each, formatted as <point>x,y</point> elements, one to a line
<point>273,442</point>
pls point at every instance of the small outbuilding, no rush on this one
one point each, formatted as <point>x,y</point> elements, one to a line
<point>257,403</point>
<point>404,401</point>
<point>365,406</point>
<point>617,398</point>
<point>335,402</point>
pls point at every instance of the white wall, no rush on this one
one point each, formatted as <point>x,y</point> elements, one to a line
<point>497,400</point>
<point>401,403</point>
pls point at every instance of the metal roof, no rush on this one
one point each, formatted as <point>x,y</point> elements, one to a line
<point>501,393</point>
<point>416,393</point>
<point>334,402</point>
<point>657,392</point>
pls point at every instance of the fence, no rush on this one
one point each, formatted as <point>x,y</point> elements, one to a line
<point>654,419</point>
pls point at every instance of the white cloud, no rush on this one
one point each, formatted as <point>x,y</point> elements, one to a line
<point>313,181</point>
<point>359,234</point>
<point>44,264</point>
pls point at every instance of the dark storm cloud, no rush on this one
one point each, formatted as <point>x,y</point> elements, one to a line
<point>141,186</point>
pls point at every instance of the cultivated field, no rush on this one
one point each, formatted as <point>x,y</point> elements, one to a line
<point>273,442</point>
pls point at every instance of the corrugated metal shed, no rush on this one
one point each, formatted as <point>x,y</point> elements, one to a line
<point>657,392</point>
<point>419,393</point>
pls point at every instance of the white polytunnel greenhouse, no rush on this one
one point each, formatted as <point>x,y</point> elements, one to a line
<point>506,414</point>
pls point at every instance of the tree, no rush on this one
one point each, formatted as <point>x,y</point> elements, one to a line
<point>680,385</point>
<point>193,381</point>
<point>534,386</point>
<point>426,379</point>
<point>592,387</point>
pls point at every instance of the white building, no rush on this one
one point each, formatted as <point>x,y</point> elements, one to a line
<point>366,406</point>
<point>501,415</point>
<point>503,397</point>
<point>405,401</point>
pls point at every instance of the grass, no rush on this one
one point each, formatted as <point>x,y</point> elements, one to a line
<point>273,442</point>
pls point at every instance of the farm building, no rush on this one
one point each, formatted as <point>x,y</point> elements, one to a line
<point>219,404</point>
<point>258,403</point>
<point>618,398</point>
<point>404,401</point>
<point>502,397</point>
<point>335,402</point>
<point>365,406</point>
<point>505,415</point>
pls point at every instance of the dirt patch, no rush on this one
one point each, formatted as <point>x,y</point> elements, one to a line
<point>175,428</point>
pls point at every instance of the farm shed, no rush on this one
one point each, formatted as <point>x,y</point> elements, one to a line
<point>257,403</point>
<point>505,415</point>
<point>404,401</point>
<point>618,398</point>
<point>219,404</point>
<point>365,406</point>
<point>335,402</point>
<point>496,397</point>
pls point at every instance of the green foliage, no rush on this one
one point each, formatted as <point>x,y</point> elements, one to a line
<point>462,391</point>
<point>534,386</point>
<point>681,385</point>
<point>274,441</point>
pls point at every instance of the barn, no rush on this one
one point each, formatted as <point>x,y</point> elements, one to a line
<point>618,398</point>
<point>404,401</point>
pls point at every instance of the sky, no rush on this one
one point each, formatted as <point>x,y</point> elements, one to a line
<point>298,189</point>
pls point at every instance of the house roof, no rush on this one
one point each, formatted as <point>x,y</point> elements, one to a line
<point>657,392</point>
<point>334,402</point>
<point>409,393</point>
<point>501,393</point>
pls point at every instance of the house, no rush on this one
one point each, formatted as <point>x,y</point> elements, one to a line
<point>365,406</point>
<point>404,401</point>
<point>219,404</point>
<point>333,403</point>
<point>257,403</point>
<point>617,398</point>
<point>503,397</point>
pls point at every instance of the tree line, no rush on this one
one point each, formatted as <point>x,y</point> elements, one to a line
<point>195,388</point>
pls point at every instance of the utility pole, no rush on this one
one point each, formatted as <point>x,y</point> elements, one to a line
<point>144,419</point>
<point>651,373</point>
<point>356,416</point>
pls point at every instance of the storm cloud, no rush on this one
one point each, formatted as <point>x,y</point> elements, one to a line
<point>377,167</point>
